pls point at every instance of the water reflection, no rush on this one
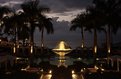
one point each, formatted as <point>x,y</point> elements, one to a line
<point>62,61</point>
<point>62,49</point>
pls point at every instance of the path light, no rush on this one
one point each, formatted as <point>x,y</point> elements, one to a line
<point>41,70</point>
<point>82,45</point>
<point>108,49</point>
<point>95,49</point>
<point>96,67</point>
<point>31,50</point>
<point>50,72</point>
<point>14,48</point>
<point>72,71</point>
<point>82,70</point>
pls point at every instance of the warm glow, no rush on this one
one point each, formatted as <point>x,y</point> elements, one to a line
<point>14,49</point>
<point>17,46</point>
<point>82,46</point>
<point>61,61</point>
<point>95,49</point>
<point>74,76</point>
<point>108,49</point>
<point>82,70</point>
<point>61,45</point>
<point>62,48</point>
<point>41,70</point>
<point>31,50</point>
<point>0,40</point>
<point>72,71</point>
<point>102,69</point>
<point>46,76</point>
<point>50,72</point>
<point>96,67</point>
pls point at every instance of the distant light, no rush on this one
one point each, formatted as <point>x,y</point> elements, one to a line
<point>82,70</point>
<point>18,58</point>
<point>23,69</point>
<point>31,50</point>
<point>102,69</point>
<point>72,71</point>
<point>108,49</point>
<point>82,45</point>
<point>74,76</point>
<point>41,70</point>
<point>79,58</point>
<point>49,76</point>
<point>14,49</point>
<point>97,58</point>
<point>95,49</point>
<point>96,67</point>
<point>18,46</point>
<point>50,72</point>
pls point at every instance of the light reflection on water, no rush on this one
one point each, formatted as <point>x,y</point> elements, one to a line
<point>65,61</point>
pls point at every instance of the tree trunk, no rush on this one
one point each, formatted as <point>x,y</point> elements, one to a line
<point>31,42</point>
<point>95,46</point>
<point>82,44</point>
<point>82,32</point>
<point>42,38</point>
<point>108,43</point>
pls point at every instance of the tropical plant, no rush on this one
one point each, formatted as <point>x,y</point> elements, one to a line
<point>33,10</point>
<point>45,23</point>
<point>4,11</point>
<point>79,22</point>
<point>110,11</point>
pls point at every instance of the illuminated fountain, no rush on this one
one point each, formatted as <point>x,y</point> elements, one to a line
<point>62,49</point>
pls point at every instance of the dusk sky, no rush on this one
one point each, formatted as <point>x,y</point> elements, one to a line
<point>62,12</point>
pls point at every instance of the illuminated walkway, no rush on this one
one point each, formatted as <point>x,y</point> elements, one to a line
<point>62,73</point>
<point>49,76</point>
<point>46,76</point>
<point>77,76</point>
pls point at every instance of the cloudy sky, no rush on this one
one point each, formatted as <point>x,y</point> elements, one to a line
<point>62,12</point>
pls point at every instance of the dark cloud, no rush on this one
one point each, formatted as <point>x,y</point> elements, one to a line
<point>56,5</point>
<point>65,5</point>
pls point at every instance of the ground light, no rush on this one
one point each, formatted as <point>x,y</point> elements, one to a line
<point>46,76</point>
<point>31,49</point>
<point>95,49</point>
<point>14,48</point>
<point>74,76</point>
<point>50,72</point>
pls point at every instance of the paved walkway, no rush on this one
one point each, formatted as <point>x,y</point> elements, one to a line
<point>62,73</point>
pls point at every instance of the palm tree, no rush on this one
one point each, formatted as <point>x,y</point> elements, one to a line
<point>15,26</point>
<point>45,23</point>
<point>93,23</point>
<point>110,11</point>
<point>79,22</point>
<point>32,9</point>
<point>4,10</point>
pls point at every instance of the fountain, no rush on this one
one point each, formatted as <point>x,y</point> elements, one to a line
<point>62,49</point>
